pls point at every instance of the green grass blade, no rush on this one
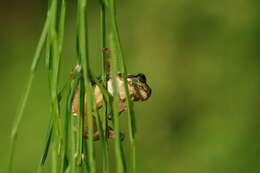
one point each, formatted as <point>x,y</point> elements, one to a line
<point>50,131</point>
<point>119,64</point>
<point>54,68</point>
<point>80,129</point>
<point>20,111</point>
<point>62,25</point>
<point>84,61</point>
<point>17,122</point>
<point>74,84</point>
<point>102,121</point>
<point>47,146</point>
<point>64,134</point>
<point>116,67</point>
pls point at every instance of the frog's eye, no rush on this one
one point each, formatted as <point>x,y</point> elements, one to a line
<point>141,77</point>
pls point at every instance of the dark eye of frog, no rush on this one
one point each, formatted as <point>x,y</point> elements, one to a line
<point>141,77</point>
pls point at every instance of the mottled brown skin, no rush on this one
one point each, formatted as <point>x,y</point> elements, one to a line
<point>138,90</point>
<point>75,112</point>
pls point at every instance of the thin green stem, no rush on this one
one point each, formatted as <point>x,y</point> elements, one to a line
<point>80,130</point>
<point>62,24</point>
<point>50,130</point>
<point>119,62</point>
<point>64,139</point>
<point>20,111</point>
<point>121,168</point>
<point>102,122</point>
<point>71,127</point>
<point>103,44</point>
<point>47,145</point>
<point>54,68</point>
<point>83,59</point>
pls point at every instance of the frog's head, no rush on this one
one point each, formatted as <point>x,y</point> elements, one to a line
<point>138,88</point>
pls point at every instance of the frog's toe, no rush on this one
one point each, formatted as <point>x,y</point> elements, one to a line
<point>112,135</point>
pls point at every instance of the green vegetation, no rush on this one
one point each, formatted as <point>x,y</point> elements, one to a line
<point>201,59</point>
<point>70,151</point>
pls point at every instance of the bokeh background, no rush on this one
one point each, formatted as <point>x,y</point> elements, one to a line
<point>201,59</point>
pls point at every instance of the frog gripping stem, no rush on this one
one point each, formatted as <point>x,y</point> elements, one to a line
<point>85,109</point>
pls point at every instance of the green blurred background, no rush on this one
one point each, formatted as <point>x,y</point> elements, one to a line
<point>201,59</point>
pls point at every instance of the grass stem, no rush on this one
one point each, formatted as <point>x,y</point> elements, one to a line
<point>21,107</point>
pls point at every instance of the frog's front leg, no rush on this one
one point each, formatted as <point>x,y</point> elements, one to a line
<point>95,129</point>
<point>122,108</point>
<point>96,135</point>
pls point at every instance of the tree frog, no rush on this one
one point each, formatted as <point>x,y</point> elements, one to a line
<point>139,90</point>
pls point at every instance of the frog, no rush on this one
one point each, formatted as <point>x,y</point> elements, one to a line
<point>139,91</point>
